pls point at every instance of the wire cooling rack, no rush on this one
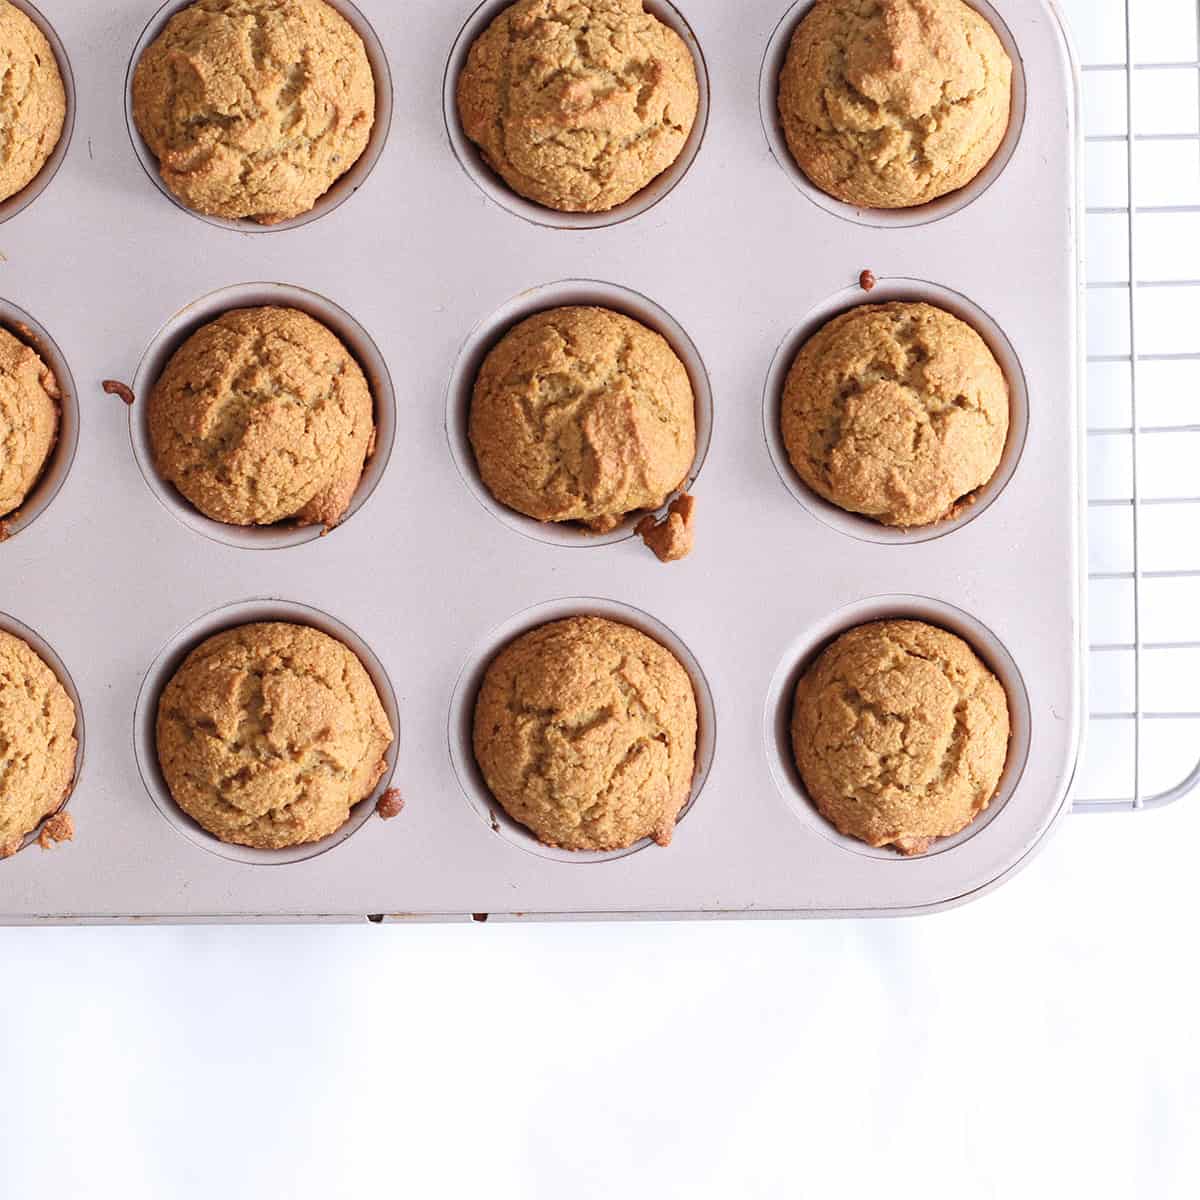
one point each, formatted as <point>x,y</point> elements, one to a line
<point>1141,87</point>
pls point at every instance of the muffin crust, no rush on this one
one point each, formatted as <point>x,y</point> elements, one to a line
<point>37,742</point>
<point>29,417</point>
<point>33,102</point>
<point>583,414</point>
<point>578,104</point>
<point>893,103</point>
<point>269,734</point>
<point>254,108</point>
<point>900,734</point>
<point>263,416</point>
<point>896,411</point>
<point>585,731</point>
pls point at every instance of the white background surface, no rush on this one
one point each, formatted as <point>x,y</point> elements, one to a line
<point>1041,1041</point>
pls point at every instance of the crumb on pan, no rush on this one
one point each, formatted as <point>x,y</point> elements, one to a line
<point>390,805</point>
<point>114,387</point>
<point>674,537</point>
<point>59,828</point>
<point>867,281</point>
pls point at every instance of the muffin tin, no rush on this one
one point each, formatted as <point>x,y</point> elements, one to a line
<point>419,261</point>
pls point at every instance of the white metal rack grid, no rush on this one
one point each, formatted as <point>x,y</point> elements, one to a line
<point>1141,85</point>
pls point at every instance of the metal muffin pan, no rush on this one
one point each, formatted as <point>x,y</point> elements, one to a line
<point>419,270</point>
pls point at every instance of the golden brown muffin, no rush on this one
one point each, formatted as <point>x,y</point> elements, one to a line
<point>585,730</point>
<point>29,414</point>
<point>33,103</point>
<point>583,414</point>
<point>900,734</point>
<point>578,104</point>
<point>254,108</point>
<point>268,735</point>
<point>263,416</point>
<point>892,103</point>
<point>37,742</point>
<point>896,411</point>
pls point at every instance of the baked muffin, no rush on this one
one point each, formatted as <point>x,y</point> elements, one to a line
<point>892,103</point>
<point>263,416</point>
<point>29,416</point>
<point>896,411</point>
<point>900,734</point>
<point>583,414</point>
<point>578,104</point>
<point>33,106</point>
<point>269,734</point>
<point>254,108</point>
<point>585,731</point>
<point>37,742</point>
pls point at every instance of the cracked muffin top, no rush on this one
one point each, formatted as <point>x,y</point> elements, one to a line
<point>896,411</point>
<point>583,414</point>
<point>269,734</point>
<point>900,734</point>
<point>578,104</point>
<point>29,415</point>
<point>254,108</point>
<point>585,731</point>
<point>37,742</point>
<point>263,416</point>
<point>892,103</point>
<point>33,103</point>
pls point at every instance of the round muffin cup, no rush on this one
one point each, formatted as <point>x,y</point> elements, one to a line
<point>62,455</point>
<point>887,291</point>
<point>462,718</point>
<point>254,295</point>
<point>170,659</point>
<point>46,653</point>
<point>488,332</point>
<point>801,654</point>
<point>888,218</point>
<point>492,186</point>
<point>343,187</point>
<point>34,188</point>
